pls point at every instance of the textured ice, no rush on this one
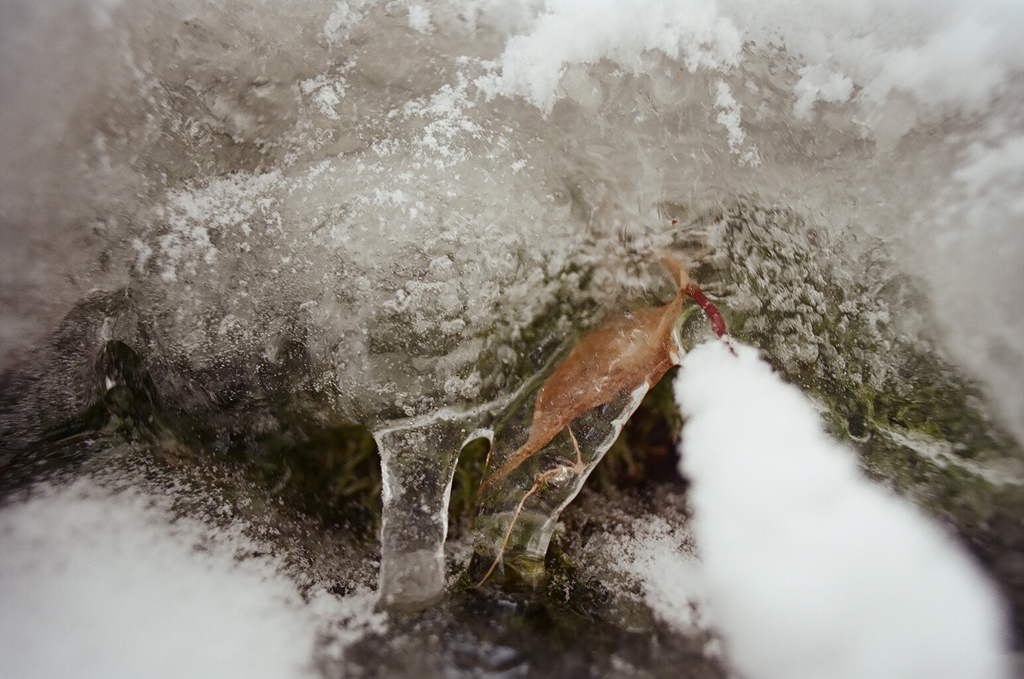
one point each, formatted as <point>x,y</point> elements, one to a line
<point>517,514</point>
<point>417,464</point>
<point>358,212</point>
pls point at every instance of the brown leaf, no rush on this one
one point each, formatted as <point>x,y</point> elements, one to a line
<point>634,349</point>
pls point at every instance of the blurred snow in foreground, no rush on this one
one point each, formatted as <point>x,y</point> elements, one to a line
<point>810,570</point>
<point>101,583</point>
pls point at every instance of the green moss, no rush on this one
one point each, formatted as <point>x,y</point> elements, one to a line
<point>334,474</point>
<point>848,333</point>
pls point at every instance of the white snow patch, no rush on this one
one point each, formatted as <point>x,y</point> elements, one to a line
<point>661,559</point>
<point>96,583</point>
<point>586,31</point>
<point>958,52</point>
<point>819,83</point>
<point>325,94</point>
<point>419,19</point>
<point>812,571</point>
<point>729,118</point>
<point>342,17</point>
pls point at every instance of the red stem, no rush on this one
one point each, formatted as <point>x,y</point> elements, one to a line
<point>713,314</point>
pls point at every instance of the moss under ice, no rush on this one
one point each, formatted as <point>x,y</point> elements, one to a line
<point>854,333</point>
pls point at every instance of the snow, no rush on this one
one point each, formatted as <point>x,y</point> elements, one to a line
<point>586,31</point>
<point>810,570</point>
<point>954,52</point>
<point>973,256</point>
<point>662,558</point>
<point>103,583</point>
<point>729,117</point>
<point>419,18</point>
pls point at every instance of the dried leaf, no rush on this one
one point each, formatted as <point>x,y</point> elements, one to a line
<point>635,349</point>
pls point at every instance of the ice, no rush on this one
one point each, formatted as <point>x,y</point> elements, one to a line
<point>353,212</point>
<point>417,465</point>
<point>419,18</point>
<point>516,515</point>
<point>811,570</point>
<point>554,433</point>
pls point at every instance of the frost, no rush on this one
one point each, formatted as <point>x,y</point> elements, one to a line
<point>315,214</point>
<point>343,17</point>
<point>730,119</point>
<point>1000,472</point>
<point>533,64</point>
<point>419,18</point>
<point>664,560</point>
<point>817,83</point>
<point>326,95</point>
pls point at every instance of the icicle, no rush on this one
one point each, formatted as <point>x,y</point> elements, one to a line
<point>417,465</point>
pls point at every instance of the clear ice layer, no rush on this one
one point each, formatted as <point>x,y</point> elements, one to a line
<point>517,514</point>
<point>551,437</point>
<point>417,464</point>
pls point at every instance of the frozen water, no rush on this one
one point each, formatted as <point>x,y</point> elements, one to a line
<point>417,465</point>
<point>368,212</point>
<point>390,203</point>
<point>548,441</point>
<point>517,514</point>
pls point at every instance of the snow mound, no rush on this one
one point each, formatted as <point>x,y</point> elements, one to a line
<point>98,583</point>
<point>811,570</point>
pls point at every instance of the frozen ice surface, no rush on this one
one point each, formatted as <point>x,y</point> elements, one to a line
<point>358,212</point>
<point>396,203</point>
<point>517,514</point>
<point>810,570</point>
<point>417,465</point>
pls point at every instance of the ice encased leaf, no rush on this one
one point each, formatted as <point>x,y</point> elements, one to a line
<point>517,514</point>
